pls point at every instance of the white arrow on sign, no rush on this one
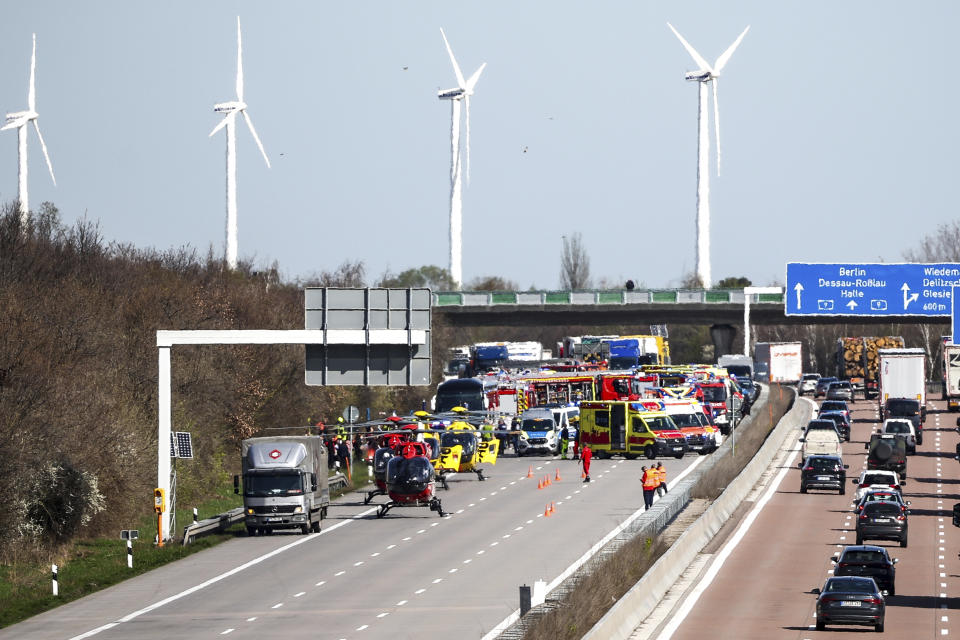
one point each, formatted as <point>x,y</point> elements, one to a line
<point>798,288</point>
<point>852,305</point>
<point>908,297</point>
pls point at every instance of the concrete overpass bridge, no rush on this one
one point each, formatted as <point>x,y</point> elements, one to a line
<point>647,306</point>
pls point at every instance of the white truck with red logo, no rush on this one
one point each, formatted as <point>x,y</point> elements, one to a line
<point>778,362</point>
<point>903,375</point>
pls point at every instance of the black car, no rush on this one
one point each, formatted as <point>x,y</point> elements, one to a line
<point>882,521</point>
<point>843,425</point>
<point>822,385</point>
<point>905,408</point>
<point>887,451</point>
<point>850,600</point>
<point>868,561</point>
<point>823,472</point>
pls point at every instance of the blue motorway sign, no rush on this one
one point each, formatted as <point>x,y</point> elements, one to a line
<point>879,289</point>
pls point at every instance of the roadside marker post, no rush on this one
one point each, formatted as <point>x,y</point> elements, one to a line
<point>129,553</point>
<point>56,584</point>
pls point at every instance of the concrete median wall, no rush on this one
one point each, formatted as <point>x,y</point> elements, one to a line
<point>631,610</point>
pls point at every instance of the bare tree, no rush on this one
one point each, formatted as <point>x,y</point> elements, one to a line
<point>574,263</point>
<point>941,246</point>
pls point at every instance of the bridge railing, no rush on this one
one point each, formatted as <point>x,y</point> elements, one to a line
<point>600,297</point>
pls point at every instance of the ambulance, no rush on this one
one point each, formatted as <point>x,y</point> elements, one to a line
<point>629,429</point>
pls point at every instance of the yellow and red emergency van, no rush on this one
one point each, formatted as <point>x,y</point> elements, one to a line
<point>629,429</point>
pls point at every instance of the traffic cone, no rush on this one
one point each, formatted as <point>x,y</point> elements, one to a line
<point>548,480</point>
<point>540,484</point>
<point>558,475</point>
<point>546,512</point>
<point>530,471</point>
<point>552,508</point>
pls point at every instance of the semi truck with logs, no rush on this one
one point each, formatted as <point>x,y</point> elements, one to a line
<point>858,361</point>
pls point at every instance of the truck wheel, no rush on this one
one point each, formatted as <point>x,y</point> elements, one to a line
<point>630,456</point>
<point>650,452</point>
<point>251,531</point>
<point>305,529</point>
<point>678,456</point>
<point>315,525</point>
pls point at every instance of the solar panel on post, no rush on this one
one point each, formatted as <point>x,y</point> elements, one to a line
<point>184,445</point>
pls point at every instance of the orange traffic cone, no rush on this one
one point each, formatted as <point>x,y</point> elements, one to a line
<point>552,508</point>
<point>546,512</point>
<point>530,472</point>
<point>548,480</point>
<point>540,484</point>
<point>558,475</point>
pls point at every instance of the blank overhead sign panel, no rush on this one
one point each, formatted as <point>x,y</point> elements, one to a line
<point>878,289</point>
<point>373,336</point>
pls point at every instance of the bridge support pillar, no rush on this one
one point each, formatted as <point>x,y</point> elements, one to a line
<point>722,336</point>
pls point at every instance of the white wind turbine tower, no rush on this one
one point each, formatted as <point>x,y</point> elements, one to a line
<point>704,75</point>
<point>461,92</point>
<point>19,121</point>
<point>231,109</point>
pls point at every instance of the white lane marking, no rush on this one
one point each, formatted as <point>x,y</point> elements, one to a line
<point>454,570</point>
<point>568,497</point>
<point>222,576</point>
<point>513,617</point>
<point>514,482</point>
<point>505,536</point>
<point>419,591</point>
<point>277,606</point>
<point>401,603</point>
<point>437,580</point>
<point>251,619</point>
<point>357,564</point>
<point>339,573</point>
<point>519,528</point>
<point>391,547</point>
<point>493,493</point>
<point>226,632</point>
<point>433,524</point>
<point>362,627</point>
<point>406,539</point>
<point>297,595</point>
<point>721,557</point>
<point>383,615</point>
<point>504,488</point>
<point>529,521</point>
<point>493,544</point>
<point>321,583</point>
<point>481,552</point>
<point>468,561</point>
<point>375,554</point>
<point>483,498</point>
<point>421,531</point>
<point>471,504</point>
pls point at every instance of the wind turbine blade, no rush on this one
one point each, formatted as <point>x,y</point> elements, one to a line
<point>256,137</point>
<point>32,93</point>
<point>472,82</point>
<point>456,67</point>
<point>43,145</point>
<point>239,64</point>
<point>716,118</point>
<point>222,124</point>
<point>725,56</point>
<point>14,124</point>
<point>693,52</point>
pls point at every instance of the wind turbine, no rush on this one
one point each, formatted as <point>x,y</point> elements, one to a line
<point>461,92</point>
<point>19,120</point>
<point>706,74</point>
<point>230,111</point>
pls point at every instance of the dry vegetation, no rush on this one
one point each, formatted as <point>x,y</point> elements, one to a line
<point>78,376</point>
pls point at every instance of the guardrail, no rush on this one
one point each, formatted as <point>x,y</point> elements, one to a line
<point>223,521</point>
<point>600,297</point>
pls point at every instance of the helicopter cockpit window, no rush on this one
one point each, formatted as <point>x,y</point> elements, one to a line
<point>465,439</point>
<point>381,457</point>
<point>409,471</point>
<point>433,447</point>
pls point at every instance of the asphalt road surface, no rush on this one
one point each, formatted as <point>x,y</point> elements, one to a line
<point>763,588</point>
<point>410,574</point>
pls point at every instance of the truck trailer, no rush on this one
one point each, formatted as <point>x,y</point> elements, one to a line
<point>778,362</point>
<point>951,376</point>
<point>903,375</point>
<point>285,484</point>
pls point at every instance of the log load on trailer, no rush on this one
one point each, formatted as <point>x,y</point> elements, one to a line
<point>858,360</point>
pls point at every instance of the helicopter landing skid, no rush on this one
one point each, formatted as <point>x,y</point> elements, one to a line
<point>434,505</point>
<point>371,494</point>
<point>479,473</point>
<point>444,483</point>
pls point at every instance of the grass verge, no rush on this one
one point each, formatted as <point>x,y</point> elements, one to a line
<point>611,578</point>
<point>88,566</point>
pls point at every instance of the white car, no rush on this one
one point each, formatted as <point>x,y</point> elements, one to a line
<point>808,383</point>
<point>877,479</point>
<point>901,427</point>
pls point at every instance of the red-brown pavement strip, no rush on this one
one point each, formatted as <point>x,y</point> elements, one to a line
<point>763,589</point>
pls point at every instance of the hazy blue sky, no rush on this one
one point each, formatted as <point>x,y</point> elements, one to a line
<point>836,130</point>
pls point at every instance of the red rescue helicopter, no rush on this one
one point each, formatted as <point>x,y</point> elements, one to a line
<point>388,446</point>
<point>411,479</point>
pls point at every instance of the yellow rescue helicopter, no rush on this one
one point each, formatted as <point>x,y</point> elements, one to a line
<point>463,447</point>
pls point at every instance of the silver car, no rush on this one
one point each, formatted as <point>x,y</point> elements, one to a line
<point>840,391</point>
<point>808,384</point>
<point>902,427</point>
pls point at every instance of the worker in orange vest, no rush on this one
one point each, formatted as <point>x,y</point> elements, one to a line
<point>651,480</point>
<point>662,487</point>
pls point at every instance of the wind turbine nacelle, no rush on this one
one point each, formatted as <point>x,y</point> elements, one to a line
<point>700,75</point>
<point>451,94</point>
<point>227,107</point>
<point>26,115</point>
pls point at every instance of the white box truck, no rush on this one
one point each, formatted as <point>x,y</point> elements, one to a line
<point>285,484</point>
<point>903,375</point>
<point>778,362</point>
<point>951,376</point>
